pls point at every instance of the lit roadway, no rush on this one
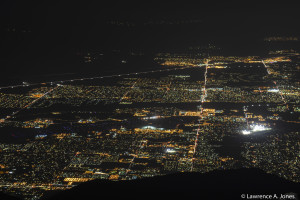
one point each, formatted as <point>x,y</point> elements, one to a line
<point>143,143</point>
<point>30,104</point>
<point>97,77</point>
<point>266,66</point>
<point>282,97</point>
<point>203,96</point>
<point>129,90</point>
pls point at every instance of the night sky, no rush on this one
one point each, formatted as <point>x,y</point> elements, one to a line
<point>38,35</point>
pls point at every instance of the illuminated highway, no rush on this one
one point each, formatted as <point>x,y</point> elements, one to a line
<point>282,97</point>
<point>265,66</point>
<point>203,96</point>
<point>30,104</point>
<point>142,144</point>
<point>97,77</point>
<point>129,90</point>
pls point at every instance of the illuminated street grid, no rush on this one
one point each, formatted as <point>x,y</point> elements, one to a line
<point>225,113</point>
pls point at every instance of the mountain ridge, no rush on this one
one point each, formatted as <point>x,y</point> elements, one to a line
<point>229,184</point>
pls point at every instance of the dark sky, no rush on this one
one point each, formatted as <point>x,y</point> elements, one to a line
<point>43,13</point>
<point>75,23</point>
<point>43,32</point>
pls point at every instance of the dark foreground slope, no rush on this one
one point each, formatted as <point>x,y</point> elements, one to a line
<point>4,196</point>
<point>229,184</point>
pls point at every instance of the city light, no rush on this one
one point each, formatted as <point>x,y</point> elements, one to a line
<point>170,151</point>
<point>246,132</point>
<point>255,128</point>
<point>125,93</point>
<point>273,90</point>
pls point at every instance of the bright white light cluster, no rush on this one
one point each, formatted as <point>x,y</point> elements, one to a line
<point>255,128</point>
<point>170,151</point>
<point>273,90</point>
<point>246,132</point>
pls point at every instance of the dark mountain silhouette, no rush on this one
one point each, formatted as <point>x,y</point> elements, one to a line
<point>4,196</point>
<point>229,184</point>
